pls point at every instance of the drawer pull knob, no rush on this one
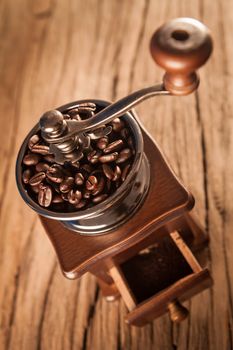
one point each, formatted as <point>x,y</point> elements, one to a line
<point>177,311</point>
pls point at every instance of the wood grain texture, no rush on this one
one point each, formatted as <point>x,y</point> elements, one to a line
<point>53,52</point>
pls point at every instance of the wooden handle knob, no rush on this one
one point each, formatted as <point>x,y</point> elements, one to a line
<point>180,47</point>
<point>177,311</point>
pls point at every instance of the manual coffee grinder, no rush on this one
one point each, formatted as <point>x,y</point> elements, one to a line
<point>136,239</point>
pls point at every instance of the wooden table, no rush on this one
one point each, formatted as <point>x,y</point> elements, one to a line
<point>53,52</point>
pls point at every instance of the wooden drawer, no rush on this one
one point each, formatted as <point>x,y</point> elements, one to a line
<point>155,279</point>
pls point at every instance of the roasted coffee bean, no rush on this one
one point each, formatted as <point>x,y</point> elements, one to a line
<point>55,175</point>
<point>114,146</point>
<point>67,184</point>
<point>87,194</point>
<point>108,172</point>
<point>64,196</point>
<point>45,196</point>
<point>87,105</point>
<point>125,133</point>
<point>93,156</point>
<point>33,141</point>
<point>124,155</point>
<point>35,189</point>
<point>37,178</point>
<point>81,204</point>
<point>100,186</point>
<point>79,179</point>
<point>130,142</point>
<point>74,197</point>
<point>91,183</point>
<point>57,199</point>
<point>86,112</point>
<point>117,173</point>
<point>74,114</point>
<point>42,167</point>
<point>87,167</point>
<point>102,142</point>
<point>76,165</point>
<point>108,157</point>
<point>77,117</point>
<point>125,172</point>
<point>67,116</point>
<point>31,159</point>
<point>26,176</point>
<point>49,158</point>
<point>117,124</point>
<point>99,198</point>
<point>41,149</point>
<point>108,185</point>
<point>55,186</point>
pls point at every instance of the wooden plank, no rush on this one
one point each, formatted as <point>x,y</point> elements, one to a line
<point>185,251</point>
<point>53,52</point>
<point>123,287</point>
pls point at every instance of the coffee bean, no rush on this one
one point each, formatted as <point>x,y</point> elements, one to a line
<point>74,197</point>
<point>125,172</point>
<point>57,199</point>
<point>64,196</point>
<point>55,175</point>
<point>114,146</point>
<point>81,204</point>
<point>91,183</point>
<point>117,124</point>
<point>124,155</point>
<point>42,167</point>
<point>31,159</point>
<point>93,156</point>
<point>37,178</point>
<point>102,142</point>
<point>77,117</point>
<point>108,157</point>
<point>49,158</point>
<point>45,196</point>
<point>130,142</point>
<point>99,188</point>
<point>125,133</point>
<point>67,116</point>
<point>67,184</point>
<point>54,185</point>
<point>108,172</point>
<point>76,165</point>
<point>99,198</point>
<point>35,189</point>
<point>74,114</point>
<point>79,179</point>
<point>117,173</point>
<point>26,176</point>
<point>86,194</point>
<point>87,105</point>
<point>41,149</point>
<point>86,112</point>
<point>33,141</point>
<point>108,185</point>
<point>87,167</point>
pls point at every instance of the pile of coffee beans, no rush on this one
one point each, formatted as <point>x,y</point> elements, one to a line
<point>87,182</point>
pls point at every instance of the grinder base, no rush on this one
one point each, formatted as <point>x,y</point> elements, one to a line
<point>117,259</point>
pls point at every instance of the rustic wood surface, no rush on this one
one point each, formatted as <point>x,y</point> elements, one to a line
<point>53,52</point>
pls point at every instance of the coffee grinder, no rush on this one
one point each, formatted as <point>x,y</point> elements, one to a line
<point>139,241</point>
